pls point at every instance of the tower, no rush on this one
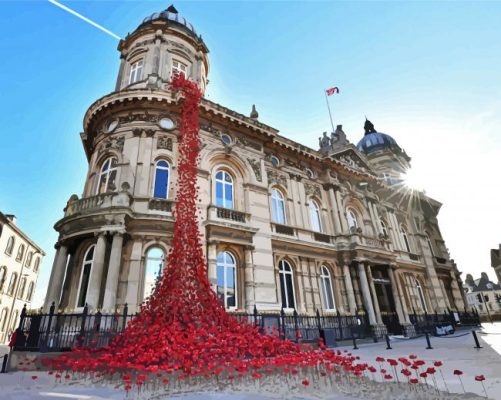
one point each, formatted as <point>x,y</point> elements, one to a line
<point>384,154</point>
<point>114,236</point>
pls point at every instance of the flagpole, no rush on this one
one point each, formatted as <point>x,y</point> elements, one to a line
<point>329,108</point>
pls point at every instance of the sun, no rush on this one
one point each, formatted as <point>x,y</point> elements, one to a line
<point>413,180</point>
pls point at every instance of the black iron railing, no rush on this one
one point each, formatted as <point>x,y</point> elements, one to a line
<point>433,323</point>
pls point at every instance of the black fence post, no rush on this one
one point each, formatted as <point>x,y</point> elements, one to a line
<point>255,317</point>
<point>354,339</point>
<point>4,363</point>
<point>124,315</point>
<point>428,341</point>
<point>282,324</point>
<point>340,324</point>
<point>85,312</point>
<point>319,324</point>
<point>49,323</point>
<point>477,344</point>
<point>296,327</point>
<point>388,346</point>
<point>20,338</point>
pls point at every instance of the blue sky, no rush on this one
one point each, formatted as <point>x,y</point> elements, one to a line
<point>425,72</point>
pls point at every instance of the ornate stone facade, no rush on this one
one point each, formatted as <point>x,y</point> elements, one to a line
<point>20,260</point>
<point>326,230</point>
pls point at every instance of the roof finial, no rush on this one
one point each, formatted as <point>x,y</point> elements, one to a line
<point>369,126</point>
<point>172,9</point>
<point>254,114</point>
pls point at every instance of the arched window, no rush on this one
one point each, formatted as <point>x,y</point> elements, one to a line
<point>384,229</point>
<point>136,71</point>
<point>88,261</point>
<point>29,258</point>
<point>406,238</point>
<point>107,176</point>
<point>29,294</point>
<point>3,319</point>
<point>20,290</point>
<point>315,220</point>
<point>153,269</point>
<point>12,284</point>
<point>161,185</point>
<point>326,284</point>
<point>421,296</point>
<point>3,277</point>
<point>227,279</point>
<point>351,217</point>
<point>277,207</point>
<point>286,285</point>
<point>428,240</point>
<point>224,189</point>
<point>20,252</point>
<point>10,245</point>
<point>37,264</point>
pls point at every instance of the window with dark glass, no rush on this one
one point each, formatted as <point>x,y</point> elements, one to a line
<point>326,284</point>
<point>88,261</point>
<point>286,285</point>
<point>224,189</point>
<point>226,279</point>
<point>161,186</point>
<point>107,176</point>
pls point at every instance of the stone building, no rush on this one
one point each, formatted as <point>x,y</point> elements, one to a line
<point>284,225</point>
<point>496,261</point>
<point>483,295</point>
<point>20,260</point>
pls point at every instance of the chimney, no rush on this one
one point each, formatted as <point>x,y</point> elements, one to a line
<point>11,218</point>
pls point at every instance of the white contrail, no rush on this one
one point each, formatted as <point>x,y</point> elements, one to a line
<point>84,18</point>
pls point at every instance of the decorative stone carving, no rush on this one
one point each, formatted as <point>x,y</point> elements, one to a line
<point>247,143</point>
<point>165,143</point>
<point>312,190</point>
<point>138,117</point>
<point>275,177</point>
<point>116,143</point>
<point>256,167</point>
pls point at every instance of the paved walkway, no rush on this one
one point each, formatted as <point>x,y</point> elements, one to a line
<point>456,352</point>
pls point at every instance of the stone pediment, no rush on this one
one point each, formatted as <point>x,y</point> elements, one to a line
<point>351,158</point>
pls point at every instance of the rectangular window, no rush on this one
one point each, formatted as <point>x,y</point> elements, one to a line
<point>136,71</point>
<point>179,68</point>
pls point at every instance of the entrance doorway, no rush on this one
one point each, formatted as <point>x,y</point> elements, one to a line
<point>385,299</point>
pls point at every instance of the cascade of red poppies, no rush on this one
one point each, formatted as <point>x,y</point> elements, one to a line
<point>183,330</point>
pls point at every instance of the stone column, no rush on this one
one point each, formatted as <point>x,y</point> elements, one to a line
<point>349,289</point>
<point>56,278</point>
<point>212,265</point>
<point>375,222</point>
<point>335,212</point>
<point>342,218</point>
<point>249,280</point>
<point>364,286</point>
<point>135,276</point>
<point>402,315</point>
<point>110,292</point>
<point>96,274</point>
<point>402,297</point>
<point>374,295</point>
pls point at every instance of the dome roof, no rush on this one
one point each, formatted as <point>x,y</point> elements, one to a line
<point>376,141</point>
<point>172,16</point>
<point>373,140</point>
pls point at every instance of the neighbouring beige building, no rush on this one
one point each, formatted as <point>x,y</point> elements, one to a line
<point>284,225</point>
<point>20,260</point>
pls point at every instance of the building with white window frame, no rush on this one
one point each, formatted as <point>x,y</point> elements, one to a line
<point>20,260</point>
<point>284,225</point>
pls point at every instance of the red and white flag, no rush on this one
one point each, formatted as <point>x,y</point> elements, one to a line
<point>332,90</point>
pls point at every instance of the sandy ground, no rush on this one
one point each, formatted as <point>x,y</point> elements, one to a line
<point>455,352</point>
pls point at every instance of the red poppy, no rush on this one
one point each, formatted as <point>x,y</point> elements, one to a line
<point>480,378</point>
<point>306,382</point>
<point>437,363</point>
<point>458,372</point>
<point>34,377</point>
<point>388,377</point>
<point>379,359</point>
<point>413,381</point>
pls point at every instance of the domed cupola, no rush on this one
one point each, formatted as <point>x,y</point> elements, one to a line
<point>383,153</point>
<point>374,140</point>
<point>164,43</point>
